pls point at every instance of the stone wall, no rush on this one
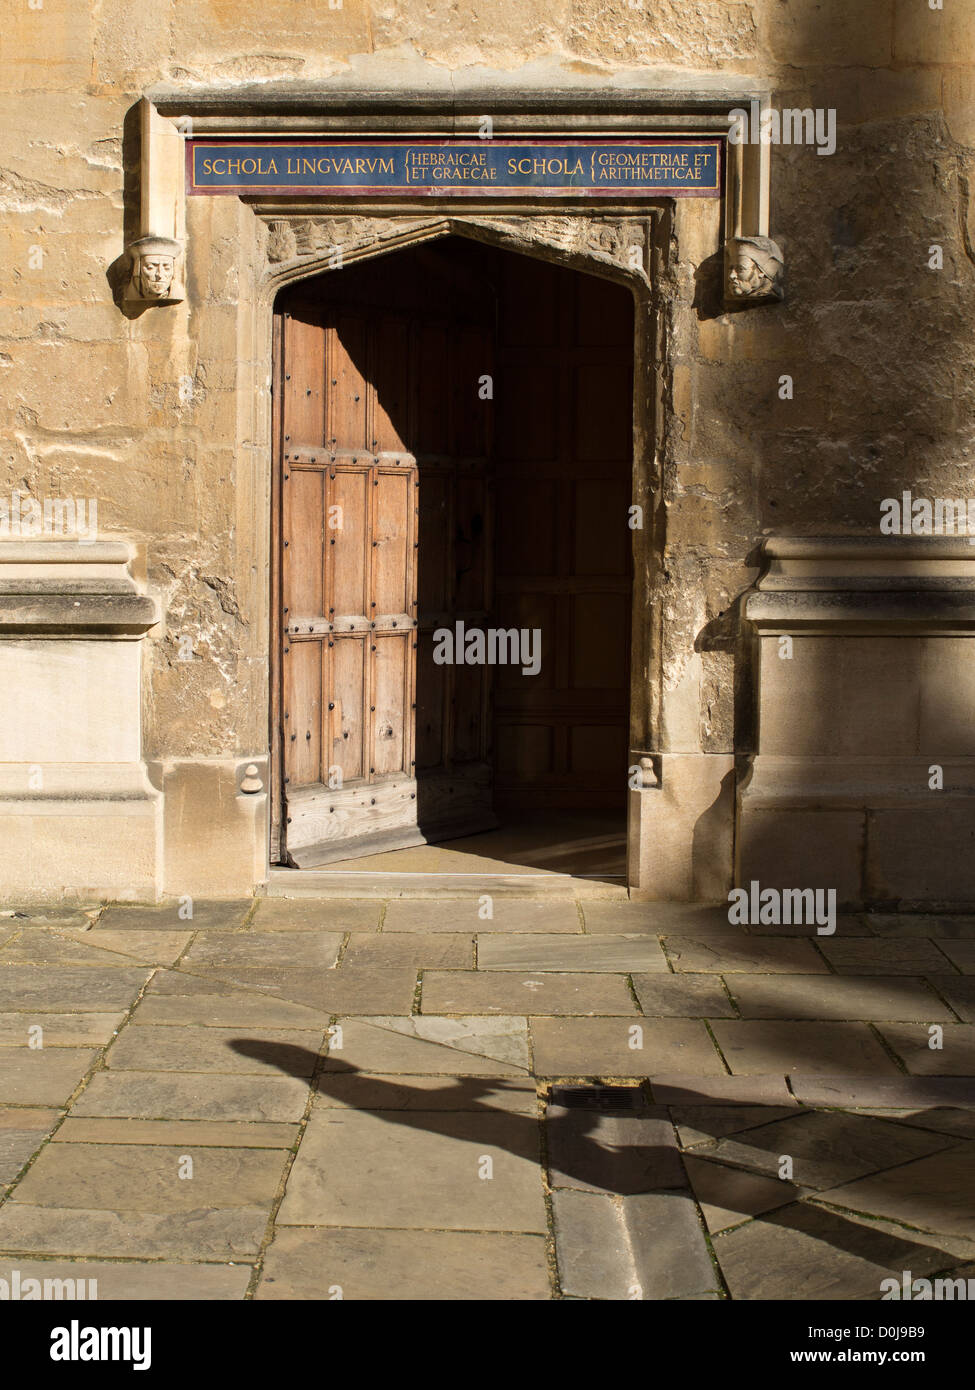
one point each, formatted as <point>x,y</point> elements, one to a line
<point>145,414</point>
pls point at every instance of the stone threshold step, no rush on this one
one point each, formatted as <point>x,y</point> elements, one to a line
<point>340,883</point>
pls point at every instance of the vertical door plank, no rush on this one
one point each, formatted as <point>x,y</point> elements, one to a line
<point>304,401</point>
<point>390,384</point>
<point>392,589</point>
<point>348,695</point>
<point>390,660</point>
<point>349,545</point>
<point>303,707</point>
<point>303,539</point>
<point>346,383</point>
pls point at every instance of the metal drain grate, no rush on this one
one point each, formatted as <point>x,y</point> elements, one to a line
<point>598,1097</point>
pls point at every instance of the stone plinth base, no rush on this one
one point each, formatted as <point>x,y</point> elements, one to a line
<point>93,834</point>
<point>681,830</point>
<point>864,780</point>
<point>79,818</point>
<point>215,833</point>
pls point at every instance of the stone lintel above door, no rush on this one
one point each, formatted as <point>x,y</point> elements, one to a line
<point>428,103</point>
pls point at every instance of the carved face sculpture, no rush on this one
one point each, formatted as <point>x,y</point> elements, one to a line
<point>745,277</point>
<point>156,275</point>
<point>754,269</point>
<point>155,271</point>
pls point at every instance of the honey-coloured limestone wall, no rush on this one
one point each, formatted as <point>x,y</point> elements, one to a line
<point>160,415</point>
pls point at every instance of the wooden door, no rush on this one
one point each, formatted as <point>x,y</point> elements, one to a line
<point>377,393</point>
<point>564,547</point>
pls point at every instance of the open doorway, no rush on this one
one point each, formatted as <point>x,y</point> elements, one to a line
<point>452,588</point>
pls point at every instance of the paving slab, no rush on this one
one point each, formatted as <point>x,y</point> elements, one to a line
<point>960,953</point>
<point>959,991</point>
<point>223,1235</point>
<point>462,915</point>
<point>729,1196</point>
<point>297,949</point>
<point>27,1117</point>
<point>226,1134</point>
<point>421,950</point>
<point>891,956</point>
<point>416,1169</point>
<point>198,1096</point>
<point>592,1247</point>
<point>512,992</point>
<point>232,1009</point>
<point>317,914</point>
<point>59,1030</point>
<point>935,1193</point>
<point>480,1046</point>
<point>354,989</point>
<point>833,997</point>
<point>178,1049</point>
<point>16,1147</point>
<point>829,1048</point>
<point>639,1247</point>
<point>182,983</point>
<point>602,1047</point>
<point>955,1056</point>
<point>177,915</point>
<point>46,1076</point>
<point>308,1263</point>
<point>487,1093</point>
<point>147,947</point>
<point>605,953</point>
<point>703,1124</point>
<point>670,1252</point>
<point>683,996</point>
<point>17,918</point>
<point>657,919</point>
<point>143,1178</point>
<point>847,924</point>
<point>120,1282</point>
<point>69,989</point>
<point>625,1152</point>
<point>930,925</point>
<point>888,1092</point>
<point>944,1119</point>
<point>803,1253</point>
<point>827,1147</point>
<point>688,1089</point>
<point>751,955</point>
<point>42,947</point>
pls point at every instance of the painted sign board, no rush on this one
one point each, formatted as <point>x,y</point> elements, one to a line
<point>681,167</point>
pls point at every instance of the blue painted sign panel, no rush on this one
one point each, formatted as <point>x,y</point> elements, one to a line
<point>653,168</point>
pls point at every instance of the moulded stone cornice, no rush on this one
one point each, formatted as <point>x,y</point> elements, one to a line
<point>886,610</point>
<point>844,548</point>
<point>908,584</point>
<point>61,588</point>
<point>403,84</point>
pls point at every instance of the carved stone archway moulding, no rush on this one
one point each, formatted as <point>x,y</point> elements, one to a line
<point>585,240</point>
<point>753,262</point>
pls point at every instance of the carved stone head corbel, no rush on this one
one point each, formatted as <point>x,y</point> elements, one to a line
<point>156,271</point>
<point>754,268</point>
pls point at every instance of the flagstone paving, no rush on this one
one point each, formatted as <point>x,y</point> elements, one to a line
<point>466,1098</point>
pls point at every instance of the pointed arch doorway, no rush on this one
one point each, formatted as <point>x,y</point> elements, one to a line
<point>453,574</point>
